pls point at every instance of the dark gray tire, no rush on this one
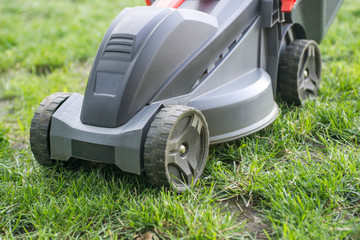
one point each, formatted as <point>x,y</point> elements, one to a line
<point>299,74</point>
<point>176,147</point>
<point>40,127</point>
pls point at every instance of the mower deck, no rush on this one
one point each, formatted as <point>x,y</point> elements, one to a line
<point>174,77</point>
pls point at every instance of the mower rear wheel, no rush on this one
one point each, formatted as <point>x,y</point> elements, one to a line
<point>176,147</point>
<point>40,127</point>
<point>299,74</point>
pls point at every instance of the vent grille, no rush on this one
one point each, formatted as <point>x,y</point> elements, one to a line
<point>119,48</point>
<point>214,64</point>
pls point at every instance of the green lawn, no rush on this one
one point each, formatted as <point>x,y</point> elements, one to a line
<point>297,179</point>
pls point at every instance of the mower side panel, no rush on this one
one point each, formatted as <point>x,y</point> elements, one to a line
<point>234,17</point>
<point>122,146</point>
<point>242,99</point>
<point>315,16</point>
<point>241,58</point>
<point>237,96</point>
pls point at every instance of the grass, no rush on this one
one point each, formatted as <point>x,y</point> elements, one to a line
<point>300,176</point>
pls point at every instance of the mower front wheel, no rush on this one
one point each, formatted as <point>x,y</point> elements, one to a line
<point>40,127</point>
<point>176,147</point>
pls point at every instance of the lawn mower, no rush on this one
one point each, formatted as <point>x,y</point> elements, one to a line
<point>173,77</point>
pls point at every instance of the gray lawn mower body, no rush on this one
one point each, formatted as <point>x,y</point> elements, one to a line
<point>219,57</point>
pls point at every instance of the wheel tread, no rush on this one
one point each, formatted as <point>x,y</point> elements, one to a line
<point>156,141</point>
<point>289,62</point>
<point>40,126</point>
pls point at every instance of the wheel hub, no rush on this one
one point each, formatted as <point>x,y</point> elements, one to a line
<point>182,149</point>
<point>306,73</point>
<point>178,160</point>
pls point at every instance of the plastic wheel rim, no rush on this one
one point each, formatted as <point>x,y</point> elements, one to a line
<point>186,149</point>
<point>309,72</point>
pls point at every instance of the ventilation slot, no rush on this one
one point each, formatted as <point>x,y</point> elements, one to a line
<point>214,64</point>
<point>119,48</point>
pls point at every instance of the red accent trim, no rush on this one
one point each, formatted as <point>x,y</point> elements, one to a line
<point>287,5</point>
<point>169,3</point>
<point>148,2</point>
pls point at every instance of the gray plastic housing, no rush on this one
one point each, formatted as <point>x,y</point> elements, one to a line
<point>137,57</point>
<point>220,57</point>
